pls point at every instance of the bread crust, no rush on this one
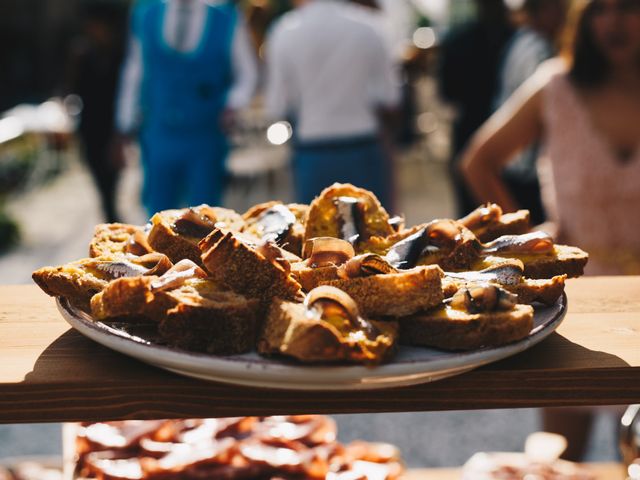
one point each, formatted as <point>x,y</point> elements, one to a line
<point>396,294</point>
<point>515,223</point>
<point>197,316</point>
<point>112,238</point>
<point>561,260</point>
<point>322,220</point>
<point>466,331</point>
<point>163,238</point>
<point>242,268</point>
<point>289,331</point>
<point>546,291</point>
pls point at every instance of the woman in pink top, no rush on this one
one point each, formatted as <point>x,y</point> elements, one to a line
<point>586,108</point>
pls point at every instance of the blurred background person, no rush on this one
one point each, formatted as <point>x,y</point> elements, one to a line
<point>587,108</point>
<point>330,72</point>
<point>92,74</point>
<point>468,78</point>
<point>190,67</point>
<point>533,43</point>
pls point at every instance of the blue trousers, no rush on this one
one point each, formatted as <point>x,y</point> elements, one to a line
<point>182,169</point>
<point>360,161</point>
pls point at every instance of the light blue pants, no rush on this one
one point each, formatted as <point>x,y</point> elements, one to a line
<point>360,161</point>
<point>183,169</point>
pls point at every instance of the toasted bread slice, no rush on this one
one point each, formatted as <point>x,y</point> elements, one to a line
<point>118,239</point>
<point>450,329</point>
<point>196,316</point>
<point>395,294</point>
<point>290,234</point>
<point>488,222</point>
<point>247,269</point>
<point>365,219</point>
<point>560,260</point>
<point>289,331</point>
<point>77,281</point>
<point>546,291</point>
<point>176,233</point>
<point>310,277</point>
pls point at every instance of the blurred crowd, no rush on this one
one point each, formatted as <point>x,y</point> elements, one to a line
<point>546,95</point>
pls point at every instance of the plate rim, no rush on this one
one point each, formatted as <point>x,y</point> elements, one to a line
<point>240,370</point>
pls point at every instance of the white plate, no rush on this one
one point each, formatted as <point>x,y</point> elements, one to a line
<point>410,366</point>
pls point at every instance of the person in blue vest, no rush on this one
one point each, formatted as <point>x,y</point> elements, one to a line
<point>190,66</point>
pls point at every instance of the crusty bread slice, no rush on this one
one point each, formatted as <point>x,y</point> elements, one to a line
<point>289,331</point>
<point>323,218</point>
<point>113,239</point>
<point>561,260</point>
<point>310,277</point>
<point>242,267</point>
<point>196,316</point>
<point>450,329</point>
<point>394,294</point>
<point>294,239</point>
<point>77,281</point>
<point>545,291</point>
<point>166,238</point>
<point>515,223</point>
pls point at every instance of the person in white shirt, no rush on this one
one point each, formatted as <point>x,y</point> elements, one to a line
<point>330,73</point>
<point>190,66</point>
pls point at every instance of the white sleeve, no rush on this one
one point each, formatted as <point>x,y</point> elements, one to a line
<point>385,83</point>
<point>244,67</point>
<point>277,89</point>
<point>128,110</point>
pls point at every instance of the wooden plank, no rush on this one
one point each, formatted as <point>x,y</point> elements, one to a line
<point>51,373</point>
<point>602,471</point>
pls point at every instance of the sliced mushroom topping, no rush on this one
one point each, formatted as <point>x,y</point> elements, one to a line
<point>482,216</point>
<point>337,308</point>
<point>483,297</point>
<point>274,224</point>
<point>350,219</point>
<point>194,224</point>
<point>327,251</point>
<point>177,275</point>
<point>508,273</point>
<point>138,244</point>
<point>365,265</point>
<point>534,242</point>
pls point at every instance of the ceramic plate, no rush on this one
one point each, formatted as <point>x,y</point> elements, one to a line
<point>410,366</point>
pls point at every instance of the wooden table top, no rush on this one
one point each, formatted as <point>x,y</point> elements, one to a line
<point>50,373</point>
<point>602,471</point>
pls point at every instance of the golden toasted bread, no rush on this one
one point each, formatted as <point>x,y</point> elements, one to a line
<point>77,281</point>
<point>197,315</point>
<point>255,271</point>
<point>451,329</point>
<point>395,294</point>
<point>310,277</point>
<point>176,233</point>
<point>350,213</point>
<point>117,239</point>
<point>290,331</point>
<point>487,222</point>
<point>283,224</point>
<point>80,280</point>
<point>560,260</point>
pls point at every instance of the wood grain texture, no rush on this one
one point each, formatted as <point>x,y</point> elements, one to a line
<point>602,471</point>
<point>51,373</point>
